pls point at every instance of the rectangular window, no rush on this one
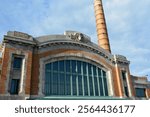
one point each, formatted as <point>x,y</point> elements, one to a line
<point>89,69</point>
<point>68,84</point>
<point>105,85</point>
<point>96,86</point>
<point>79,67</point>
<point>16,69</point>
<point>80,85</point>
<point>126,91</point>
<point>74,84</point>
<point>61,84</point>
<point>17,64</point>
<point>48,67</point>
<point>91,86</point>
<point>67,66</point>
<point>140,92</point>
<point>14,86</point>
<point>99,72</point>
<point>48,86</point>
<point>125,83</point>
<point>123,75</point>
<point>55,84</point>
<point>85,86</point>
<point>55,66</point>
<point>84,68</point>
<point>61,66</point>
<point>101,86</point>
<point>73,66</point>
<point>94,71</point>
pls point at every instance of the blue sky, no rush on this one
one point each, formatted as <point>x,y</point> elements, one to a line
<point>128,23</point>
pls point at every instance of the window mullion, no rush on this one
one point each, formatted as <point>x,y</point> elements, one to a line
<point>93,80</point>
<point>82,75</point>
<point>103,82</point>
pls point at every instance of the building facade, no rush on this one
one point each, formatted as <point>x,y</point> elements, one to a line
<point>67,66</point>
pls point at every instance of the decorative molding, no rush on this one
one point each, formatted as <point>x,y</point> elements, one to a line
<point>58,57</point>
<point>77,45</point>
<point>77,36</point>
<point>120,59</point>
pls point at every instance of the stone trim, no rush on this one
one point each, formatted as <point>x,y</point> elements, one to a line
<point>49,59</point>
<point>23,72</point>
<point>76,45</point>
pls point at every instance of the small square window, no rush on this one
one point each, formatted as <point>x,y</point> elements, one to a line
<point>14,86</point>
<point>17,63</point>
<point>123,75</point>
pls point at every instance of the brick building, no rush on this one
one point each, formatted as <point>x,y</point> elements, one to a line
<point>67,66</point>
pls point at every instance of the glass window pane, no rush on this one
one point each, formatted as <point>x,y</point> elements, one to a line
<point>14,86</point>
<point>74,85</point>
<point>85,86</point>
<point>67,66</point>
<point>94,71</point>
<point>74,68</point>
<point>55,66</point>
<point>124,75</point>
<point>101,86</point>
<point>48,67</point>
<point>96,86</point>
<point>99,72</point>
<point>89,69</point>
<point>48,83</point>
<point>61,76</point>
<point>91,86</point>
<point>17,63</point>
<point>84,68</point>
<point>104,74</point>
<point>140,92</point>
<point>61,84</point>
<point>79,67</point>
<point>61,66</point>
<point>68,84</point>
<point>80,85</point>
<point>105,86</point>
<point>55,84</point>
<point>126,91</point>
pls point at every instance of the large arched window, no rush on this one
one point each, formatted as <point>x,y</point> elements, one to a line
<point>74,78</point>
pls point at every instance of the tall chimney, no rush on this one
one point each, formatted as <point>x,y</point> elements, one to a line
<point>103,40</point>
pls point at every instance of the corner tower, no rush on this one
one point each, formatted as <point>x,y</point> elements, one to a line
<point>103,40</point>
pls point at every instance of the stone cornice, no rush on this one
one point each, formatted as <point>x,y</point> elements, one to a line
<point>119,59</point>
<point>70,38</point>
<point>17,40</point>
<point>95,49</point>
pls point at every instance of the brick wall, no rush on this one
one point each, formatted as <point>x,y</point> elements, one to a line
<point>118,88</point>
<point>35,74</point>
<point>6,63</point>
<point>32,67</point>
<point>148,93</point>
<point>37,57</point>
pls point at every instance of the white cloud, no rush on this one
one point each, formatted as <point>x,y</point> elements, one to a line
<point>127,21</point>
<point>128,28</point>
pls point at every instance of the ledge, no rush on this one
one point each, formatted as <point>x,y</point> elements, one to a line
<point>80,98</point>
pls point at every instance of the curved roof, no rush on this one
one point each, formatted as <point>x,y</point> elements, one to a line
<point>47,38</point>
<point>67,36</point>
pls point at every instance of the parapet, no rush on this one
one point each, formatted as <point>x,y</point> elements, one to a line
<point>121,59</point>
<point>19,35</point>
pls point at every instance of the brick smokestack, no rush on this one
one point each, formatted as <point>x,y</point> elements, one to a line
<point>103,40</point>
